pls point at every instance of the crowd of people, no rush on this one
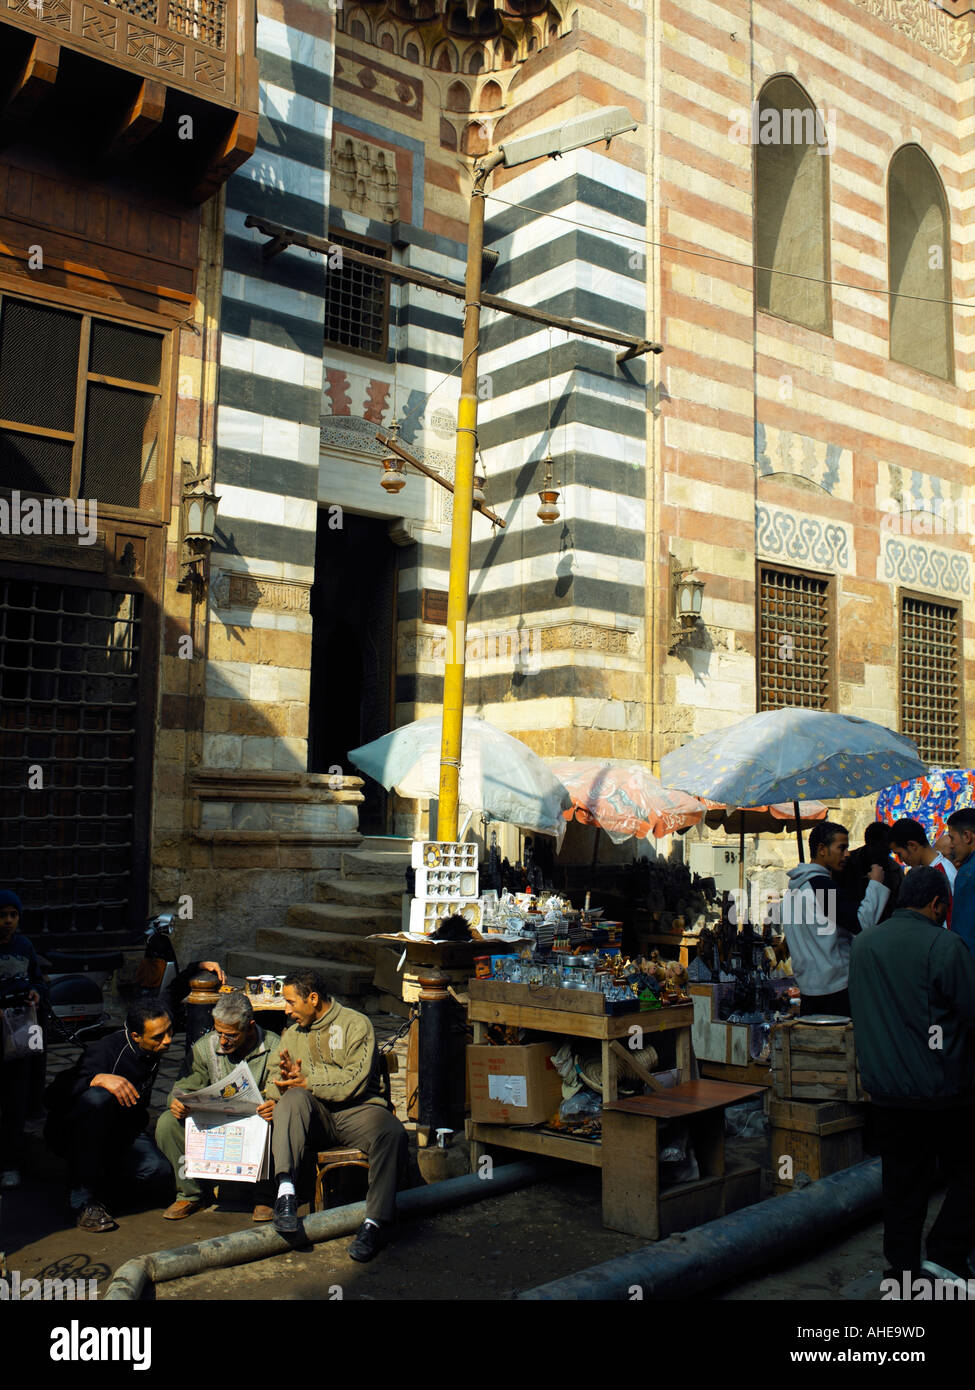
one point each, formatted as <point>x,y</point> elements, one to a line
<point>892,946</point>
<point>321,1083</point>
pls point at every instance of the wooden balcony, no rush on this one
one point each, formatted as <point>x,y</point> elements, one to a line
<point>200,46</point>
<point>165,90</point>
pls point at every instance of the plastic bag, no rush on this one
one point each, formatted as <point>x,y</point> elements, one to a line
<point>581,1106</point>
<point>19,1026</point>
<point>677,1159</point>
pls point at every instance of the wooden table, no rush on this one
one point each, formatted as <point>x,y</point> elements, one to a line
<point>608,1029</point>
<point>629,1160</point>
<point>633,1200</point>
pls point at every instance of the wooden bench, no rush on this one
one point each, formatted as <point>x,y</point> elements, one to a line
<point>334,1160</point>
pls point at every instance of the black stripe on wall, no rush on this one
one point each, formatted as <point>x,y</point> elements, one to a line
<point>283,477</point>
<point>291,271</point>
<point>542,597</point>
<point>573,246</point>
<point>578,188</point>
<point>270,326</point>
<point>295,77</point>
<point>302,214</point>
<point>267,396</point>
<point>262,541</point>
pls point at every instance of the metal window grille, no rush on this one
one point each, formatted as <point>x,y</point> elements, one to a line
<point>356,302</point>
<point>930,688</point>
<point>69,668</point>
<point>793,653</point>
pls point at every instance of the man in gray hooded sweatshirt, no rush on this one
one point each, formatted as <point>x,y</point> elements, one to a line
<point>821,919</point>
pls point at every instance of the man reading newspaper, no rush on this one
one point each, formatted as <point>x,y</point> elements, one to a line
<point>236,1038</point>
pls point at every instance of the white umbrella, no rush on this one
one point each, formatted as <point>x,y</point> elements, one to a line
<point>499,775</point>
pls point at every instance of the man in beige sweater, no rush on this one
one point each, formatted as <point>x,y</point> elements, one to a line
<point>324,1088</point>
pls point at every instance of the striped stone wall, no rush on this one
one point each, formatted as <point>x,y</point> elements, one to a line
<point>778,442</point>
<point>269,402</point>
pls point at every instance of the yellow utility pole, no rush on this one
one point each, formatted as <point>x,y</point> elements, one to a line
<point>460,535</point>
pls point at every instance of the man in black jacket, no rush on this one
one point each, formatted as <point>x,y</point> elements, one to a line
<point>912,992</point>
<point>98,1113</point>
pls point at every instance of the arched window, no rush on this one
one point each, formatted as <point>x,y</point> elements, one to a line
<point>791,144</point>
<point>475,60</point>
<point>919,257</point>
<point>411,53</point>
<point>458,97</point>
<point>387,41</point>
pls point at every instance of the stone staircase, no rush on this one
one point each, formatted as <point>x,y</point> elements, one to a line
<point>329,934</point>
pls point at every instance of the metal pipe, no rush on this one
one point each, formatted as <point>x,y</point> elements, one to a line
<point>243,1247</point>
<point>731,1246</point>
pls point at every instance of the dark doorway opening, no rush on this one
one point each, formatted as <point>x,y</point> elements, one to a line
<point>353,606</point>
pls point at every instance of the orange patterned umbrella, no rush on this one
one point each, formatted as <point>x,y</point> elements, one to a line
<point>624,799</point>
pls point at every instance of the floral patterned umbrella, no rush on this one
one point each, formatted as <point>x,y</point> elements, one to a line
<point>929,799</point>
<point>624,799</point>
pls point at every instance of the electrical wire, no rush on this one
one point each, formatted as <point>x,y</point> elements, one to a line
<point>728,260</point>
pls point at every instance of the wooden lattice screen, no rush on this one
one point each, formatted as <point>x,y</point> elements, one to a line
<point>794,665</point>
<point>929,682</point>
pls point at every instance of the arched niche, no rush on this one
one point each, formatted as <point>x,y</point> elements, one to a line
<point>791,206</point>
<point>919,264</point>
<point>491,98</point>
<point>458,97</point>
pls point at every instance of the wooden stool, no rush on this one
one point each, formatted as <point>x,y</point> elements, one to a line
<point>328,1161</point>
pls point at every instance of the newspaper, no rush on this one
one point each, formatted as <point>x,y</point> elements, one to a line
<point>237,1094</point>
<point>238,1149</point>
<point>225,1137</point>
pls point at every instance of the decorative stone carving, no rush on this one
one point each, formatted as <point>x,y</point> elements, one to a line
<point>802,540</point>
<point>927,24</point>
<point>429,646</point>
<point>926,567</point>
<point>230,590</point>
<point>364,179</point>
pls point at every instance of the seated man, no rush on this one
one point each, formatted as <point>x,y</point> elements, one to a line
<point>98,1111</point>
<point>328,1077</point>
<point>236,1037</point>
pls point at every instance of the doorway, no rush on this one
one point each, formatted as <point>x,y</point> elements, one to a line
<point>353,608</point>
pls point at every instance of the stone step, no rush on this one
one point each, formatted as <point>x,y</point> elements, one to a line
<point>385,844</point>
<point>361,892</point>
<point>347,921</point>
<point>322,946</point>
<point>349,980</point>
<point>355,864</point>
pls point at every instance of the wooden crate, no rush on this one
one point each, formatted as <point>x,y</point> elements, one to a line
<point>819,1137</point>
<point>812,1061</point>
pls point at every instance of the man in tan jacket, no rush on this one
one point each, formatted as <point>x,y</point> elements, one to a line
<point>324,1088</point>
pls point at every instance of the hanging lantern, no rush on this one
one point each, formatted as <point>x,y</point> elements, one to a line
<point>548,512</point>
<point>394,472</point>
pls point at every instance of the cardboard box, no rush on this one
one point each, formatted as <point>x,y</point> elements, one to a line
<point>513,1085</point>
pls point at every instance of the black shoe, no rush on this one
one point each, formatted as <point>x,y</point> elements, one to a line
<point>93,1217</point>
<point>368,1243</point>
<point>286,1214</point>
